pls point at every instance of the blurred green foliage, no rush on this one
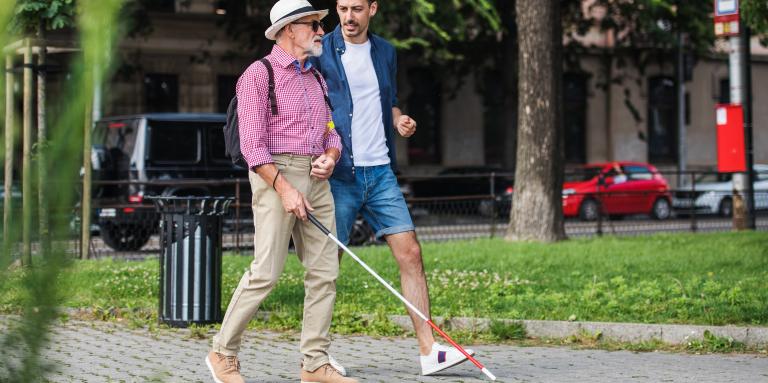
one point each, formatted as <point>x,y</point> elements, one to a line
<point>54,14</point>
<point>37,287</point>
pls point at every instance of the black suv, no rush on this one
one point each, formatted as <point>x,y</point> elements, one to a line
<point>155,148</point>
<point>171,154</point>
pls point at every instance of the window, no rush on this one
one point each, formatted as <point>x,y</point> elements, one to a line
<point>637,172</point>
<point>225,92</point>
<point>583,174</point>
<point>217,151</point>
<point>496,132</point>
<point>662,120</point>
<point>161,5</point>
<point>113,144</point>
<point>174,142</point>
<point>424,105</point>
<point>725,91</point>
<point>119,136</point>
<point>224,7</point>
<point>161,93</point>
<point>575,117</point>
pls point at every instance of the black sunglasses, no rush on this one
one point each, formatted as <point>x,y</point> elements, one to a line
<point>314,23</point>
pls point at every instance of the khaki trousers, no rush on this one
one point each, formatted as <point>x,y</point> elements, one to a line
<point>318,254</point>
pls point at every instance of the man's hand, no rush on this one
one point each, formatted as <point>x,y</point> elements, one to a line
<point>322,167</point>
<point>405,125</point>
<point>294,202</point>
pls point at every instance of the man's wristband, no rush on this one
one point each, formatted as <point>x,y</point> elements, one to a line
<point>275,180</point>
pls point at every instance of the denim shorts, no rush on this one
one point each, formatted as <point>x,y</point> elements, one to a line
<point>375,194</point>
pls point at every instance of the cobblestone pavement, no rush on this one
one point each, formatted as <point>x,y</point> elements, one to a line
<point>103,352</point>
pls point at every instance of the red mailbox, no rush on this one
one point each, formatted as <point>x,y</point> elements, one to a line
<point>730,139</point>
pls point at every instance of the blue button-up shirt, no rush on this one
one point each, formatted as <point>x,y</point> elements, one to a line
<point>384,59</point>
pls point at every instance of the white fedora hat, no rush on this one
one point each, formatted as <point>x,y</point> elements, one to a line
<point>287,11</point>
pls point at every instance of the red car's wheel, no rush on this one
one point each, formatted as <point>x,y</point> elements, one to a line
<point>661,209</point>
<point>589,210</point>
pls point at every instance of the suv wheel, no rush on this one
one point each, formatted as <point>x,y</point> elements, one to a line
<point>361,233</point>
<point>123,237</point>
<point>726,207</point>
<point>487,208</point>
<point>661,209</point>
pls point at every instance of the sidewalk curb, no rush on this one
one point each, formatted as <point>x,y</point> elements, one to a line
<point>623,332</point>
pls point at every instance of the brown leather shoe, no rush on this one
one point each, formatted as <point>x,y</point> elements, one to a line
<point>225,369</point>
<point>324,374</point>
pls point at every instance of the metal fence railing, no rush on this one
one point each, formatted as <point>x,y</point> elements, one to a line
<point>125,224</point>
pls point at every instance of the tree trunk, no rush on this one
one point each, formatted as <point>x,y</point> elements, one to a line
<point>27,196</point>
<point>42,147</point>
<point>537,202</point>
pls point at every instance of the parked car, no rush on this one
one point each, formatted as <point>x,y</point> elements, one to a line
<point>616,189</point>
<point>713,193</point>
<point>153,147</point>
<point>472,182</point>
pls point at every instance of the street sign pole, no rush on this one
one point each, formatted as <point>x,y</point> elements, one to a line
<point>728,24</point>
<point>739,180</point>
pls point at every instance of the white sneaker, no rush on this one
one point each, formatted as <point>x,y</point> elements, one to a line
<point>337,366</point>
<point>441,358</point>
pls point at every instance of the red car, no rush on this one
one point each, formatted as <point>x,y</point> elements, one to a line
<point>619,188</point>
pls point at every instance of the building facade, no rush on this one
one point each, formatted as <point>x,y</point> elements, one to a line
<point>188,63</point>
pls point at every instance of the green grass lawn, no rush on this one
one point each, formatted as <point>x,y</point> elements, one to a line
<point>708,279</point>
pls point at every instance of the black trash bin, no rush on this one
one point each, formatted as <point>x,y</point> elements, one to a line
<point>190,259</point>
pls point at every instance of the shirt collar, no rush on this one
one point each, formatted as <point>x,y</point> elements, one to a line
<point>285,60</point>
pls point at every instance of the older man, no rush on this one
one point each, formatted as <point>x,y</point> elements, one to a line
<point>288,141</point>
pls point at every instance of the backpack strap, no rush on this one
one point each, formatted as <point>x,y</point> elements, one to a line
<point>271,73</point>
<point>325,94</point>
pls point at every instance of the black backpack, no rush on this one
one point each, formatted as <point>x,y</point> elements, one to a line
<point>232,129</point>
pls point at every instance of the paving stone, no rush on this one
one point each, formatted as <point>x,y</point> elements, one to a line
<point>103,352</point>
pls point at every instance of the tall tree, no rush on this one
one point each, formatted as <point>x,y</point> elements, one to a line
<point>537,202</point>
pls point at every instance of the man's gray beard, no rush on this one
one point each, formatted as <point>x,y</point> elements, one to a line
<point>315,51</point>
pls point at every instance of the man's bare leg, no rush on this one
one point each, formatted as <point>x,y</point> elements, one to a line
<point>413,283</point>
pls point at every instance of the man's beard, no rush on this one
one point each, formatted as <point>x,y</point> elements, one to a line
<point>315,50</point>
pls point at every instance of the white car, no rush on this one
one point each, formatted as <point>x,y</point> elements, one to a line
<point>713,194</point>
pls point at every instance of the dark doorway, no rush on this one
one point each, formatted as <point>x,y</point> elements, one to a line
<point>424,105</point>
<point>575,117</point>
<point>161,93</point>
<point>226,90</point>
<point>168,6</point>
<point>662,120</point>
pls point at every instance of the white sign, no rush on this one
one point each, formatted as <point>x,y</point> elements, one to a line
<point>722,116</point>
<point>727,7</point>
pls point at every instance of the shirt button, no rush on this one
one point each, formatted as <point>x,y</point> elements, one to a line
<point>350,115</point>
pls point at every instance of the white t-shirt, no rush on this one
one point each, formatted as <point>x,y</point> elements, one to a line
<point>369,145</point>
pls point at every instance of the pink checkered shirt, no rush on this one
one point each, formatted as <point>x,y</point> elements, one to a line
<point>301,124</point>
